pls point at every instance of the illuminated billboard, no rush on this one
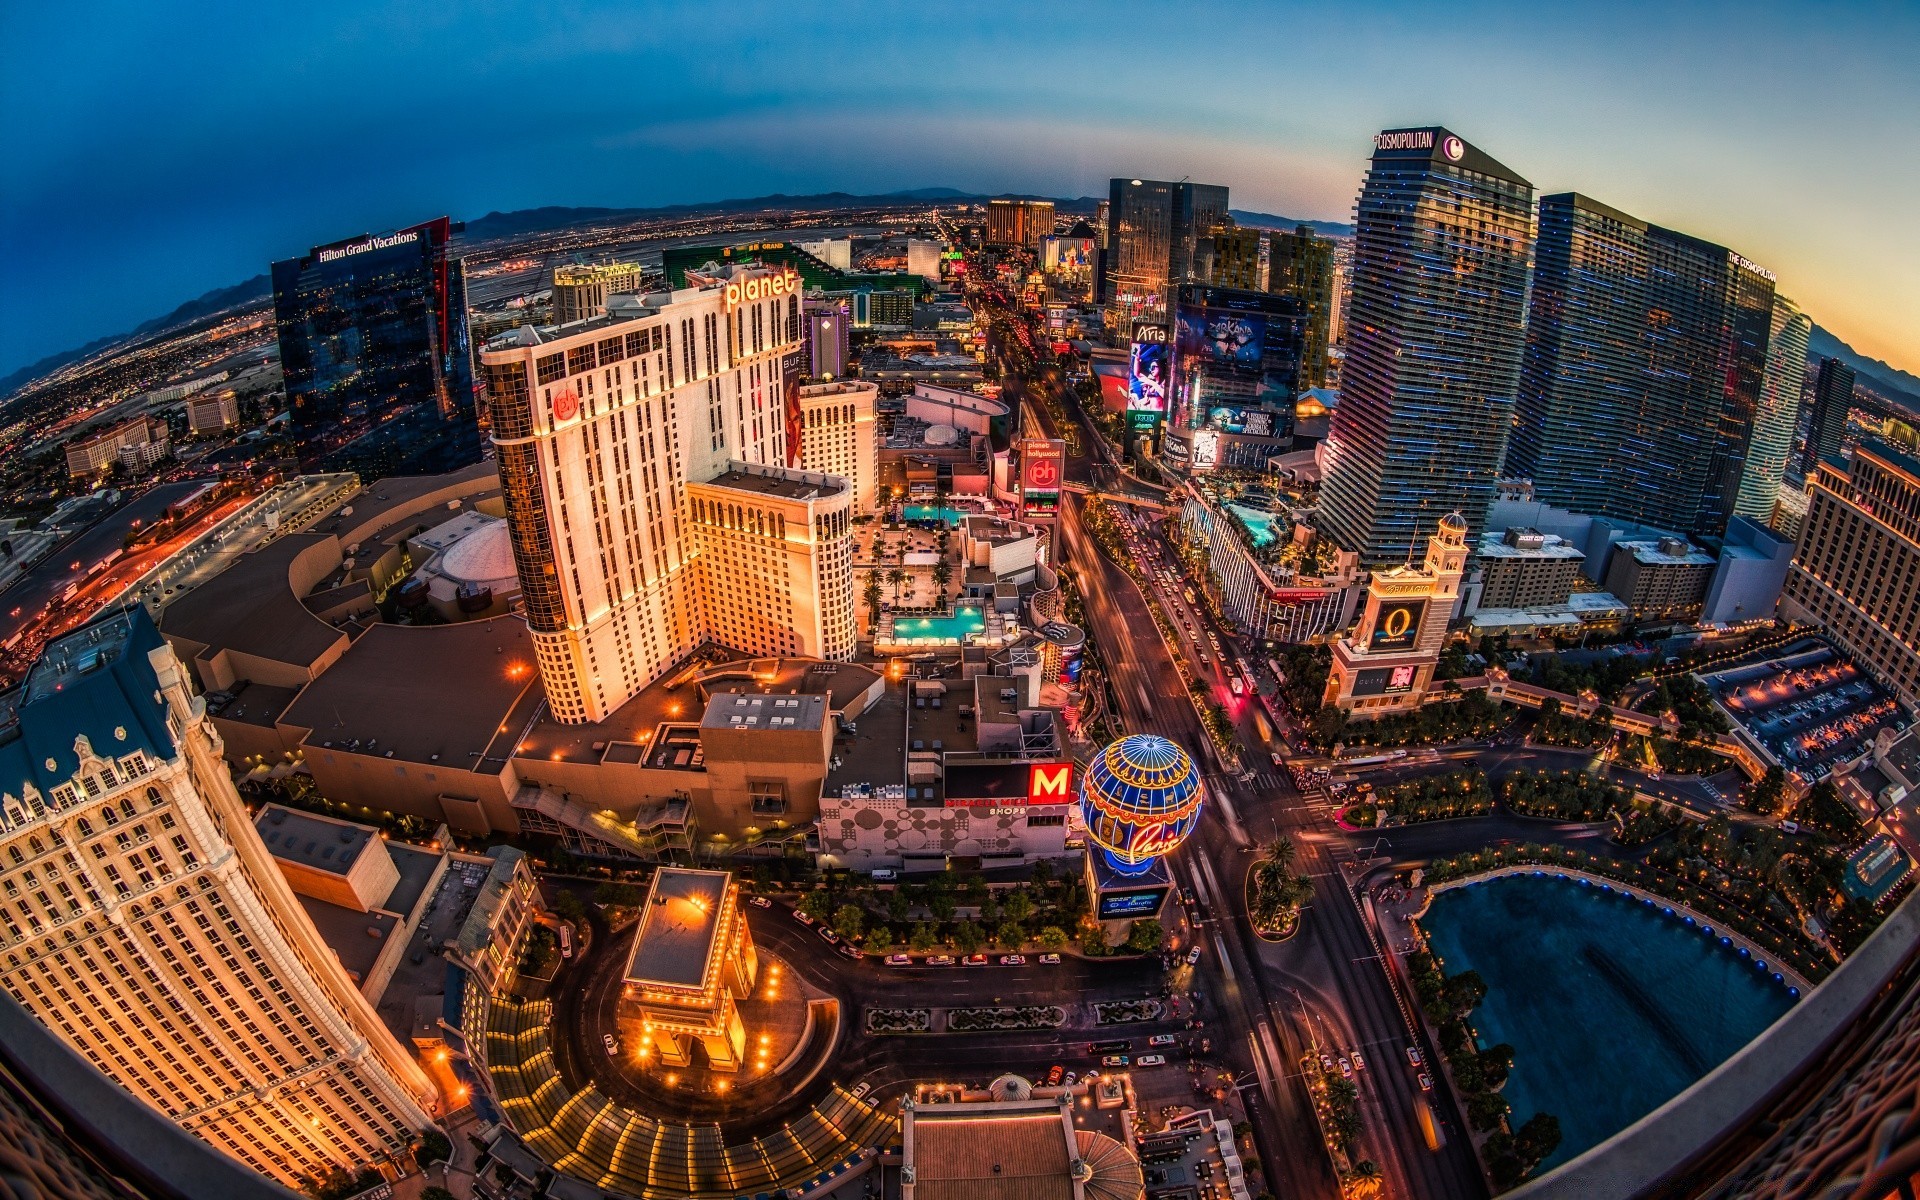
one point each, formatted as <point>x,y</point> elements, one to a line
<point>1147,382</point>
<point>1008,784</point>
<point>1043,464</point>
<point>1236,352</point>
<point>1384,681</point>
<point>1397,625</point>
<point>1122,905</point>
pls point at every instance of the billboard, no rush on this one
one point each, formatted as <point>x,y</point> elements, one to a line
<point>1122,905</point>
<point>1236,352</point>
<point>1384,681</point>
<point>1247,422</point>
<point>790,397</point>
<point>1042,471</point>
<point>1396,626</point>
<point>1147,381</point>
<point>1008,784</point>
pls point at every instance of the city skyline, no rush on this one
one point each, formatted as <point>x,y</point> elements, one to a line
<point>223,184</point>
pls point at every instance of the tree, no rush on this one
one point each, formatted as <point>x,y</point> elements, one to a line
<point>1042,871</point>
<point>942,574</point>
<point>968,938</point>
<point>610,893</point>
<point>1537,1139</point>
<point>1496,1061</point>
<point>941,904</point>
<point>1465,990</point>
<point>1327,725</point>
<point>567,905</point>
<point>817,905</point>
<point>1009,934</point>
<point>871,595</point>
<point>1052,937</point>
<point>879,940</point>
<point>1145,935</point>
<point>1018,905</point>
<point>849,920</point>
<point>896,577</point>
<point>432,1148</point>
<point>1280,852</point>
<point>1485,1110</point>
<point>897,904</point>
<point>1767,793</point>
<point>923,938</point>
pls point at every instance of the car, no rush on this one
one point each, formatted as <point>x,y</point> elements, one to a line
<point>801,917</point>
<point>1114,1060</point>
<point>1789,827</point>
<point>1050,960</point>
<point>1193,956</point>
<point>1162,1039</point>
<point>761,902</point>
<point>974,960</point>
<point>899,960</point>
<point>1013,960</point>
<point>940,960</point>
<point>1152,1060</point>
<point>1113,1047</point>
<point>1056,1075</point>
<point>607,1040</point>
<point>1326,1063</point>
<point>1426,1082</point>
<point>1413,1055</point>
<point>1278,761</point>
<point>828,936</point>
<point>1346,1068</point>
<point>860,1090</point>
<point>1359,1063</point>
<point>849,951</point>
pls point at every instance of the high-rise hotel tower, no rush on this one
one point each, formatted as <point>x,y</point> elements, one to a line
<point>647,457</point>
<point>144,923</point>
<point>1442,246</point>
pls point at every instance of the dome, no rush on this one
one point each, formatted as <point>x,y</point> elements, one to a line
<point>1453,522</point>
<point>940,435</point>
<point>484,556</point>
<point>1141,798</point>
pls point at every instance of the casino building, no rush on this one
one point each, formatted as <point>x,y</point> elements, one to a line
<point>1386,665</point>
<point>693,961</point>
<point>649,459</point>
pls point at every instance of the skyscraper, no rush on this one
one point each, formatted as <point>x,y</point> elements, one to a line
<point>645,460</point>
<point>1442,245</point>
<point>1778,412</point>
<point>1154,233</point>
<point>1233,257</point>
<point>1832,399</point>
<point>147,926</point>
<point>373,343</point>
<point>1641,380</point>
<point>1853,572</point>
<point>1018,222</point>
<point>1300,265</point>
<point>581,290</point>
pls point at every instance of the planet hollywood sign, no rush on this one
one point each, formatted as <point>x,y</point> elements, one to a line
<point>334,253</point>
<point>762,287</point>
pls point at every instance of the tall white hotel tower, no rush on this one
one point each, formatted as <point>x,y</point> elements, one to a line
<point>648,457</point>
<point>142,920</point>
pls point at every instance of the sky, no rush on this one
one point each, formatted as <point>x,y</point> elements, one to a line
<point>157,150</point>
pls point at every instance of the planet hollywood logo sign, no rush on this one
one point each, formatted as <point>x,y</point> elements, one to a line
<point>762,287</point>
<point>334,253</point>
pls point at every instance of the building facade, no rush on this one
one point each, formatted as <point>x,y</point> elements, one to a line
<point>1641,385</point>
<point>1524,568</point>
<point>146,925</point>
<point>1856,570</point>
<point>826,332</point>
<point>374,348</point>
<point>1154,230</point>
<point>1777,414</point>
<point>599,430</point>
<point>1663,579</point>
<point>581,290</point>
<point>1234,257</point>
<point>1442,248</point>
<point>1300,265</point>
<point>213,412</point>
<point>1832,400</point>
<point>1018,222</point>
<point>1387,664</point>
<point>838,436</point>
<point>139,441</point>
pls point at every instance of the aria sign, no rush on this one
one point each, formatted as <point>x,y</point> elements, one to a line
<point>762,287</point>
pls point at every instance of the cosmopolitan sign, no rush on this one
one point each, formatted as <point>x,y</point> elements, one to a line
<point>334,253</point>
<point>748,291</point>
<point>1404,139</point>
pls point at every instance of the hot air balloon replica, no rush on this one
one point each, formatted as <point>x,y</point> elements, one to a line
<point>1140,798</point>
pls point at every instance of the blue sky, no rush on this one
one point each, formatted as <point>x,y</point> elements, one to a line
<point>158,150</point>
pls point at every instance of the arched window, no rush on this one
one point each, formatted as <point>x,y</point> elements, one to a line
<point>84,827</point>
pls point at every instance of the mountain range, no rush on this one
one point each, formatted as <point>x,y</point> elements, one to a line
<point>1900,386</point>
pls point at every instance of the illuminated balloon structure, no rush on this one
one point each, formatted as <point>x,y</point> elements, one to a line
<point>1140,798</point>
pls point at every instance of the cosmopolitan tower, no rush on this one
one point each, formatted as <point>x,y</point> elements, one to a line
<point>1434,334</point>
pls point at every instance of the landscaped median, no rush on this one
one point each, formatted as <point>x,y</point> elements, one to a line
<point>881,1021</point>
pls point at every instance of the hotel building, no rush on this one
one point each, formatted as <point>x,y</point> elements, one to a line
<point>1857,569</point>
<point>1018,222</point>
<point>1387,664</point>
<point>581,291</point>
<point>145,924</point>
<point>838,436</point>
<point>601,427</point>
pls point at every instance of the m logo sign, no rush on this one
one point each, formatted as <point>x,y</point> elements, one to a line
<point>1050,783</point>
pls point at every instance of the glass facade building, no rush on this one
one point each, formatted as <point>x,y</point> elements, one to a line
<point>1155,236</point>
<point>1442,247</point>
<point>1300,265</point>
<point>1236,369</point>
<point>1641,384</point>
<point>373,342</point>
<point>1777,413</point>
<point>1832,399</point>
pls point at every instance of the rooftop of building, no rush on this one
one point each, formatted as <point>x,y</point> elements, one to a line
<point>96,682</point>
<point>746,710</point>
<point>1532,545</point>
<point>356,938</point>
<point>1013,1150</point>
<point>1903,755</point>
<point>678,924</point>
<point>780,482</point>
<point>251,607</point>
<point>448,694</point>
<point>310,840</point>
<point>1664,553</point>
<point>873,753</point>
<point>476,928</point>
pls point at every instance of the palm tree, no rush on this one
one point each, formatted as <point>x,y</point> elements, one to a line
<point>1280,852</point>
<point>896,577</point>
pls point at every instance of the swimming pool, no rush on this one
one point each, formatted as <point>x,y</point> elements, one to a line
<point>928,512</point>
<point>1612,1007</point>
<point>1260,524</point>
<point>957,627</point>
